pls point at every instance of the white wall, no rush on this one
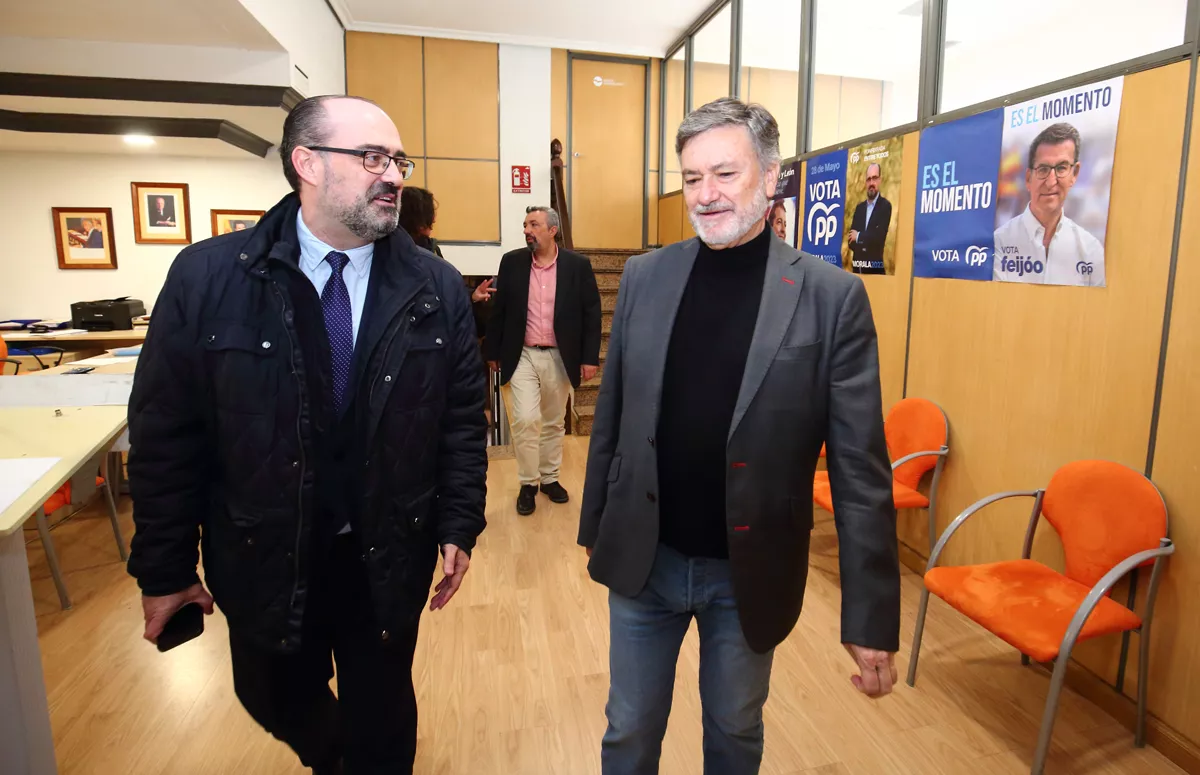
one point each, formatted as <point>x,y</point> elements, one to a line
<point>524,141</point>
<point>133,60</point>
<point>34,287</point>
<point>313,38</point>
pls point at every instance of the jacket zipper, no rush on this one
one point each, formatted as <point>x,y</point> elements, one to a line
<point>299,443</point>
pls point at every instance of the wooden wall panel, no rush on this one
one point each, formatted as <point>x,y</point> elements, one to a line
<point>1175,646</point>
<point>827,106</point>
<point>388,70</point>
<point>675,94</point>
<point>652,212</point>
<point>670,219</point>
<point>1035,377</point>
<point>462,79</point>
<point>776,90</point>
<point>468,199</point>
<point>709,82</point>
<point>558,98</point>
<point>655,124</point>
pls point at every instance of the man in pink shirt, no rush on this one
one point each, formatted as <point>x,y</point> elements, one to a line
<point>544,339</point>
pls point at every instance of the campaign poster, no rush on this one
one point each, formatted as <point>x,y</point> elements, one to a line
<point>824,206</point>
<point>1056,164</point>
<point>781,217</point>
<point>873,178</point>
<point>957,167</point>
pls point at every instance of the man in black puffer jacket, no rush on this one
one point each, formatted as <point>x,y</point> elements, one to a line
<point>309,410</point>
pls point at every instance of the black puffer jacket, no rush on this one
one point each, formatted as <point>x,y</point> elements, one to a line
<point>224,414</point>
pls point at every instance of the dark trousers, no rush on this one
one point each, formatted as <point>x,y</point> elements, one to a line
<point>372,723</point>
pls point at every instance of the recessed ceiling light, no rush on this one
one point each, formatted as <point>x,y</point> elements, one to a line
<point>139,140</point>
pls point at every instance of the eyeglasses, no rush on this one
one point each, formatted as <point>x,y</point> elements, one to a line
<point>375,162</point>
<point>1042,171</point>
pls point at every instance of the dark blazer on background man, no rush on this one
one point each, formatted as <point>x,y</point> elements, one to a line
<point>811,378</point>
<point>576,313</point>
<point>869,246</point>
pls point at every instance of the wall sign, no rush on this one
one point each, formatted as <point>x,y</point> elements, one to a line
<point>520,180</point>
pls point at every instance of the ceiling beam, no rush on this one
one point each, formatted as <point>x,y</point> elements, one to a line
<point>155,126</point>
<point>146,90</point>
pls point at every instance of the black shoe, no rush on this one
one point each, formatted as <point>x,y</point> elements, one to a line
<point>526,501</point>
<point>555,492</point>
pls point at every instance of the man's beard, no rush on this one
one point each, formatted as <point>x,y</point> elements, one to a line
<point>872,194</point>
<point>363,219</point>
<point>730,231</point>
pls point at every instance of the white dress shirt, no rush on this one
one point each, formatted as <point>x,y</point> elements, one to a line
<point>1075,256</point>
<point>356,275</point>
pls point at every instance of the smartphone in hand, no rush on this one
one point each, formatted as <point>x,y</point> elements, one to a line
<point>187,623</point>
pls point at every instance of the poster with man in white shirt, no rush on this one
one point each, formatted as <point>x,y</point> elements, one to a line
<point>1053,189</point>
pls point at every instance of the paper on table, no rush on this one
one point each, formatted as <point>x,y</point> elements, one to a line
<point>103,360</point>
<point>19,474</point>
<point>64,390</point>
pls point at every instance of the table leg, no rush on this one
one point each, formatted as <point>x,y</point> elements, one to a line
<point>26,742</point>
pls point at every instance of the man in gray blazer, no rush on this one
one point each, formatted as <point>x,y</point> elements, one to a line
<point>733,357</point>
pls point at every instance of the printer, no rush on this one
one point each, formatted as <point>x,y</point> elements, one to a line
<point>106,314</point>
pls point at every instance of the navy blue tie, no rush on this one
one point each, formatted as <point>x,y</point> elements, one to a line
<point>339,325</point>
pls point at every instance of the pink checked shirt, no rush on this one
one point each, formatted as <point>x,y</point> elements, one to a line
<point>543,286</point>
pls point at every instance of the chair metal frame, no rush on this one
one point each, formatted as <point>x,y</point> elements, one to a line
<point>937,474</point>
<point>43,527</point>
<point>1098,591</point>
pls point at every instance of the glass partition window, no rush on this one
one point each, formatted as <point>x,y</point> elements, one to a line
<point>771,63</point>
<point>997,47</point>
<point>867,68</point>
<point>674,74</point>
<point>710,55</point>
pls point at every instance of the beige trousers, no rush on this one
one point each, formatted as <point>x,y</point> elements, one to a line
<point>537,402</point>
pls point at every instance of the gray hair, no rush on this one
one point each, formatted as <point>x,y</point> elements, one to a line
<point>727,111</point>
<point>552,218</point>
<point>305,126</point>
<point>1053,135</point>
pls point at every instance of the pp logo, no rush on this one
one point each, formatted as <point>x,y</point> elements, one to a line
<point>822,223</point>
<point>977,255</point>
<point>1084,267</point>
<point>854,157</point>
<point>598,81</point>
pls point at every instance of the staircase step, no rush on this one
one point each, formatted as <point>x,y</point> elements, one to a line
<point>584,415</point>
<point>587,393</point>
<point>609,262</point>
<point>608,300</point>
<point>608,281</point>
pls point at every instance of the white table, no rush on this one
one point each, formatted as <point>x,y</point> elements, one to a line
<point>74,435</point>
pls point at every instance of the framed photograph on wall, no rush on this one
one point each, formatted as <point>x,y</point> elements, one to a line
<point>84,237</point>
<point>225,221</point>
<point>160,214</point>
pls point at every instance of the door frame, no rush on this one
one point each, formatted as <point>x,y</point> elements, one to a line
<point>645,63</point>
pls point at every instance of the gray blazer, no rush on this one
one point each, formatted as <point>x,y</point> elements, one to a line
<point>812,377</point>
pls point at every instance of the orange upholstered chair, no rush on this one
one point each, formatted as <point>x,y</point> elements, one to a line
<point>60,498</point>
<point>5,359</point>
<point>918,435</point>
<point>1111,519</point>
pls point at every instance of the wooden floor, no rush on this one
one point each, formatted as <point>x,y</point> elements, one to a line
<point>512,677</point>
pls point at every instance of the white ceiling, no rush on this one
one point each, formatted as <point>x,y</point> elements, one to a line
<point>217,23</point>
<point>43,142</point>
<point>631,27</point>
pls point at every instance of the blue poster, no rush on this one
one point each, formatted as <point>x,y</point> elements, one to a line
<point>958,168</point>
<point>824,206</point>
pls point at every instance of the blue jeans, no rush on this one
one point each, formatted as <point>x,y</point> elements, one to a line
<point>646,633</point>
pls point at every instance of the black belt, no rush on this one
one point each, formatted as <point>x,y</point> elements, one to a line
<point>542,347</point>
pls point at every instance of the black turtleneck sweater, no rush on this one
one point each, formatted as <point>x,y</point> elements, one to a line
<point>705,362</point>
